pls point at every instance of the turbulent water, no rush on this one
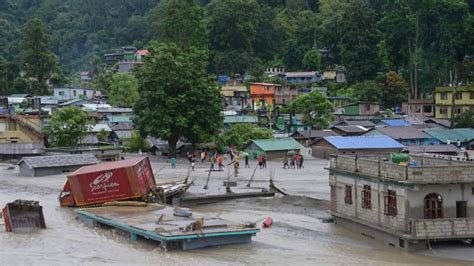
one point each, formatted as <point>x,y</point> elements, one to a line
<point>297,237</point>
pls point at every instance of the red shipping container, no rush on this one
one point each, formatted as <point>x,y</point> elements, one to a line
<point>121,180</point>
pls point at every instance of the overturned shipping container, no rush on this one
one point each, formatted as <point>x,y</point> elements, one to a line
<point>130,179</point>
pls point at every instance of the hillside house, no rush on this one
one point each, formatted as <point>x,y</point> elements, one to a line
<point>424,107</point>
<point>67,94</point>
<point>463,100</point>
<point>360,109</point>
<point>262,96</point>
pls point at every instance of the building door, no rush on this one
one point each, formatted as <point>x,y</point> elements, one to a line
<point>333,198</point>
<point>461,209</point>
<point>433,206</point>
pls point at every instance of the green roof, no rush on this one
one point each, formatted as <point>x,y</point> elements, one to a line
<point>462,134</point>
<point>240,119</point>
<point>119,118</point>
<point>277,144</point>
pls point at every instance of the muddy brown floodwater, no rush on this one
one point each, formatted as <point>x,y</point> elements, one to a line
<point>297,237</point>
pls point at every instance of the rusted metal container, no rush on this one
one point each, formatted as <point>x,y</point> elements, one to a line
<point>23,216</point>
<point>121,180</point>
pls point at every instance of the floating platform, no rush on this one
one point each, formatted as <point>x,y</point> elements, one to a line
<point>157,222</point>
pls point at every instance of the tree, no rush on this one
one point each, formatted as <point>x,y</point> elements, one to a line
<point>136,143</point>
<point>38,60</point>
<point>312,60</point>
<point>103,135</point>
<point>176,98</point>
<point>395,90</point>
<point>231,36</point>
<point>241,134</point>
<point>123,90</point>
<point>464,120</point>
<point>181,22</point>
<point>67,127</point>
<point>368,90</point>
<point>315,107</point>
<point>358,41</point>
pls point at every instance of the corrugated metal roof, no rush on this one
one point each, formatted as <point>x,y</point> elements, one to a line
<point>300,74</point>
<point>59,160</point>
<point>351,129</point>
<point>100,127</point>
<point>402,132</point>
<point>123,134</point>
<point>395,122</point>
<point>277,144</point>
<point>363,142</point>
<point>315,133</point>
<point>364,123</point>
<point>442,134</point>
<point>240,119</point>
<point>122,126</point>
<point>432,148</point>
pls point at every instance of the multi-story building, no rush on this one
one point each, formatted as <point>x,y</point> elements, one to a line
<point>262,95</point>
<point>403,205</point>
<point>418,106</point>
<point>463,100</point>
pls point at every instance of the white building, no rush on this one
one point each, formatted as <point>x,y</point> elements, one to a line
<point>67,94</point>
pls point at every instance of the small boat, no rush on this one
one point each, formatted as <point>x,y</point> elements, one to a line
<point>267,222</point>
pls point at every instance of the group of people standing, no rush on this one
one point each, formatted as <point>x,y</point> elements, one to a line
<point>295,161</point>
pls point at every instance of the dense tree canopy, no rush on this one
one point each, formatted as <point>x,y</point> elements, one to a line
<point>241,134</point>
<point>67,127</point>
<point>123,90</point>
<point>38,62</point>
<point>421,40</point>
<point>179,102</point>
<point>315,107</point>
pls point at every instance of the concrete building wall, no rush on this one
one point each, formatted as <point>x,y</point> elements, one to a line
<point>376,214</point>
<point>55,170</point>
<point>451,193</point>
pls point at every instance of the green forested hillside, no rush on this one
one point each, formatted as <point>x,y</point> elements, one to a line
<point>420,39</point>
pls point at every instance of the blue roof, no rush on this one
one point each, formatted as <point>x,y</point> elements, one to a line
<point>363,142</point>
<point>396,122</point>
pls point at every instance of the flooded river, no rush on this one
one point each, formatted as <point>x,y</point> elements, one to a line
<point>297,237</point>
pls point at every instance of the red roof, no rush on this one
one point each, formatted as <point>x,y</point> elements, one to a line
<point>143,52</point>
<point>107,166</point>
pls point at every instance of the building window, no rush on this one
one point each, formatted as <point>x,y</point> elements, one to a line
<point>433,206</point>
<point>444,96</point>
<point>348,195</point>
<point>367,107</point>
<point>457,110</point>
<point>390,203</point>
<point>61,93</point>
<point>366,198</point>
<point>458,96</point>
<point>443,111</point>
<point>471,95</point>
<point>74,93</point>
<point>427,109</point>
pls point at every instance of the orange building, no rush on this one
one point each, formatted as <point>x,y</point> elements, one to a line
<point>262,94</point>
